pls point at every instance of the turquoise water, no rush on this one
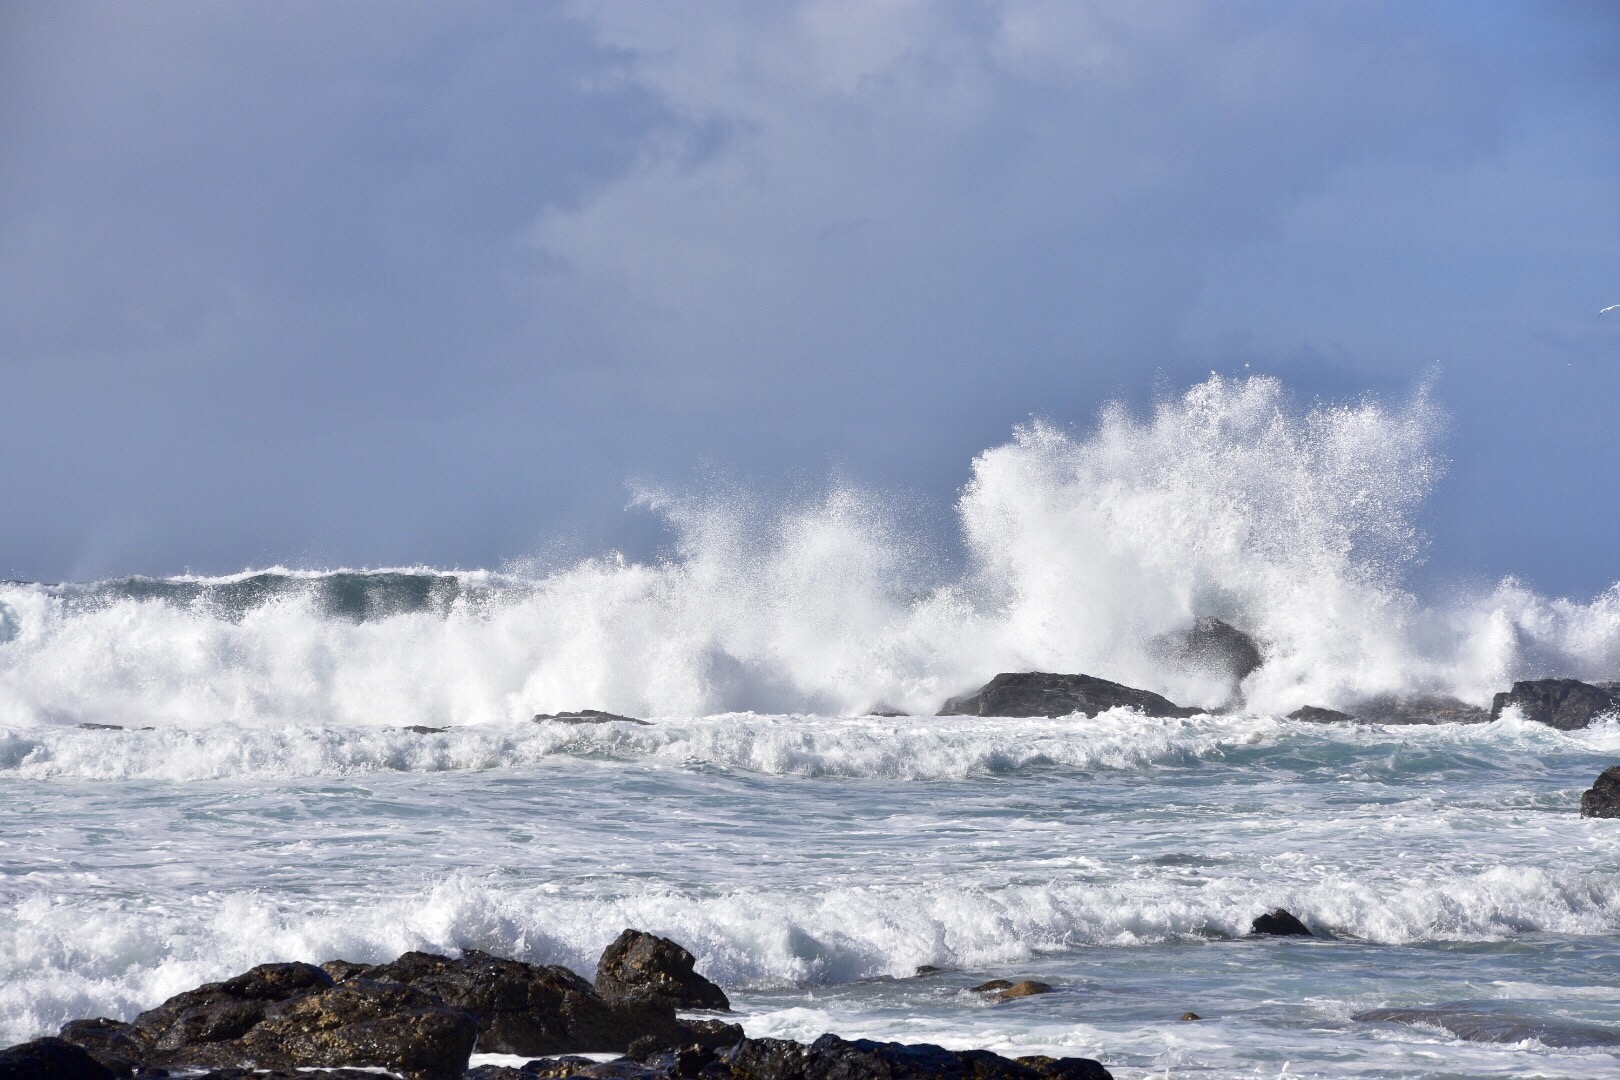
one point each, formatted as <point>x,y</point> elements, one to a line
<point>814,863</point>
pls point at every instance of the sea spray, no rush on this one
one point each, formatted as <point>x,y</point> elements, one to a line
<point>1085,552</point>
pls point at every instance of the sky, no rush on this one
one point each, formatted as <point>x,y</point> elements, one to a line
<point>367,284</point>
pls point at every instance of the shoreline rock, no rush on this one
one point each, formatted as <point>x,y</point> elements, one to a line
<point>1042,693</point>
<point>420,1016</point>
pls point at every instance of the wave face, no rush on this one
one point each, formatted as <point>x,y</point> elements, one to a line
<point>1085,553</point>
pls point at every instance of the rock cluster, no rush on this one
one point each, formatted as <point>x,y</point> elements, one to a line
<point>420,1016</point>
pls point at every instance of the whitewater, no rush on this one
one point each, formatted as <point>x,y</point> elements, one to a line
<point>199,774</point>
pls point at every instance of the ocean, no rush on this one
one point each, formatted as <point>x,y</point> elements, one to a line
<point>200,773</point>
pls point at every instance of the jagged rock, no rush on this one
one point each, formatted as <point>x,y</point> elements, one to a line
<point>534,1009</point>
<point>362,1022</point>
<point>1040,693</point>
<point>639,964</point>
<point>51,1059</point>
<point>588,716</point>
<point>1315,714</point>
<point>1279,923</point>
<point>115,1044</point>
<point>1566,704</point>
<point>219,1012</point>
<point>1419,709</point>
<point>1602,799</point>
<point>833,1058</point>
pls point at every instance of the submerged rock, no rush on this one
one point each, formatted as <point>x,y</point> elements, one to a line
<point>1040,693</point>
<point>1023,988</point>
<point>1279,922</point>
<point>1566,704</point>
<point>1189,1017</point>
<point>1475,1025</point>
<point>1419,709</point>
<point>639,964</point>
<point>1602,799</point>
<point>588,716</point>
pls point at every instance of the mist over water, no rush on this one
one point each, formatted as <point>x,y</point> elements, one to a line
<point>1085,552</point>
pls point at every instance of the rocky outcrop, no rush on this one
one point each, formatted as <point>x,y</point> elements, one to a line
<point>51,1059</point>
<point>287,1016</point>
<point>1040,693</point>
<point>639,964</point>
<point>588,716</point>
<point>1602,799</point>
<point>418,1017</point>
<point>1279,922</point>
<point>533,1009</point>
<point>1566,704</point>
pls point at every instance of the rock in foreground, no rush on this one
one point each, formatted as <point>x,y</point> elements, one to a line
<point>639,964</point>
<point>1566,704</point>
<point>1041,693</point>
<point>1602,799</point>
<point>50,1059</point>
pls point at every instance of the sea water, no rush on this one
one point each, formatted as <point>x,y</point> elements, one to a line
<point>263,796</point>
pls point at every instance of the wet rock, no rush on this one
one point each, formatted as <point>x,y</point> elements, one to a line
<point>1602,799</point>
<point>926,969</point>
<point>533,1009</point>
<point>639,964</point>
<point>220,1012</point>
<point>1315,714</point>
<point>1214,649</point>
<point>833,1058</point>
<point>51,1059</point>
<point>993,986</point>
<point>89,726</point>
<point>1188,1017</point>
<point>341,970</point>
<point>588,716</point>
<point>116,1045</point>
<point>1279,923</point>
<point>365,1023</point>
<point>423,729</point>
<point>1419,709</point>
<point>1566,704</point>
<point>1040,693</point>
<point>1023,988</point>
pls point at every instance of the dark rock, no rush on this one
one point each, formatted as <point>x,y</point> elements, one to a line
<point>423,729</point>
<point>1566,704</point>
<point>533,1009</point>
<point>926,969</point>
<point>833,1058</point>
<point>219,1012</point>
<point>1419,709</point>
<point>1602,799</point>
<point>51,1059</point>
<point>289,1074</point>
<point>588,716</point>
<point>1040,693</point>
<point>1190,1016</point>
<point>639,964</point>
<point>89,726</point>
<point>118,1046</point>
<point>362,1022</point>
<point>1024,988</point>
<point>993,986</point>
<point>1279,923</point>
<point>343,970</point>
<point>1315,714</point>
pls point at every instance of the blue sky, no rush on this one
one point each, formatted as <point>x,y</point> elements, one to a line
<point>373,284</point>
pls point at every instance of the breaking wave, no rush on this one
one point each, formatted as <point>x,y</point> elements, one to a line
<point>1085,552</point>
